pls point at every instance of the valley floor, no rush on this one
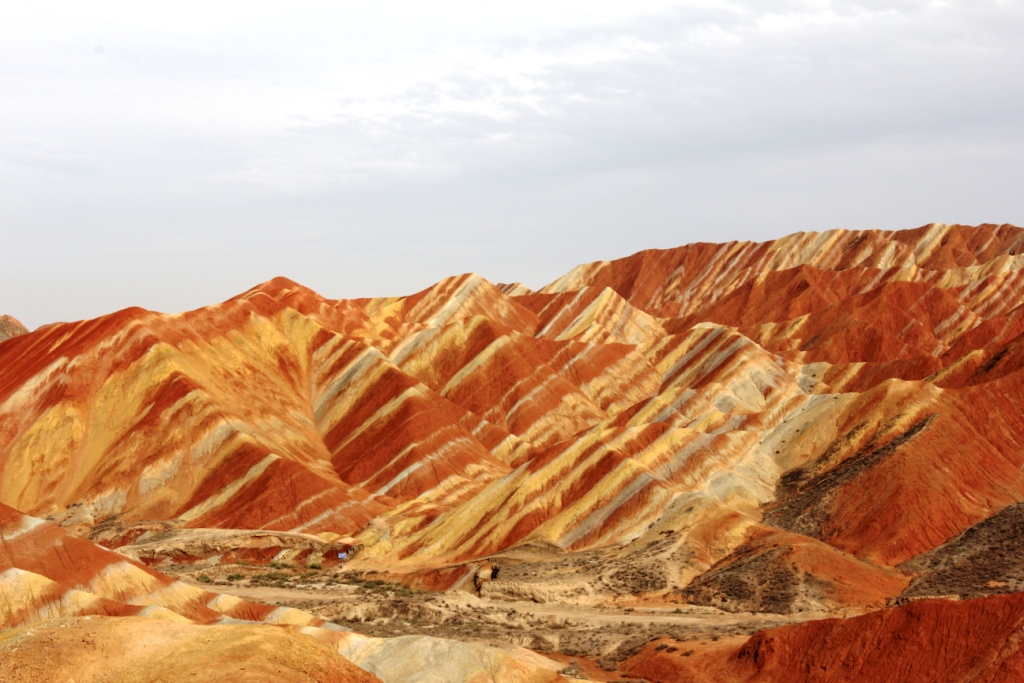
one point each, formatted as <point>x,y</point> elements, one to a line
<point>592,639</point>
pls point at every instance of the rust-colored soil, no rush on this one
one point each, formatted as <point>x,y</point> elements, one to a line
<point>924,642</point>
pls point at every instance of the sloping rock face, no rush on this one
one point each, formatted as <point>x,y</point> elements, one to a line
<point>9,327</point>
<point>47,573</point>
<point>818,411</point>
<point>925,642</point>
<point>137,650</point>
<point>985,559</point>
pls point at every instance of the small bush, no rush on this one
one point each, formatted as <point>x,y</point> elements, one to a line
<point>203,578</point>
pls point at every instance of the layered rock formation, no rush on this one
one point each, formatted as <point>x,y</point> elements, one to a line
<point>842,387</point>
<point>813,423</point>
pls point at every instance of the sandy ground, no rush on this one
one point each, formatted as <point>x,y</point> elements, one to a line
<point>690,615</point>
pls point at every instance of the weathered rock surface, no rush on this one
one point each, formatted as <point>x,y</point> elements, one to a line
<point>985,559</point>
<point>849,395</point>
<point>925,642</point>
<point>784,573</point>
<point>47,573</point>
<point>137,650</point>
<point>10,327</point>
<point>436,660</point>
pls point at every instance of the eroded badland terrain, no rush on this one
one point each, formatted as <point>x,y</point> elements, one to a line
<point>799,460</point>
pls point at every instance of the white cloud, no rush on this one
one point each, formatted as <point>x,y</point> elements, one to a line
<point>461,131</point>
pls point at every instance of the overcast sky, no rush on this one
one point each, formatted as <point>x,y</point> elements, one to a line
<point>172,157</point>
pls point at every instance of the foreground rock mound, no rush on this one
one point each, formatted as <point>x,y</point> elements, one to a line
<point>47,573</point>
<point>137,650</point>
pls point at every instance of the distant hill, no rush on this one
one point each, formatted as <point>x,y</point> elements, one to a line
<point>9,328</point>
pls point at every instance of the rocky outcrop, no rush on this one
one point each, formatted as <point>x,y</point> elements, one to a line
<point>851,391</point>
<point>9,328</point>
<point>786,573</point>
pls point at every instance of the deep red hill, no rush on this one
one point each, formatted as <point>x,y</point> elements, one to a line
<point>931,641</point>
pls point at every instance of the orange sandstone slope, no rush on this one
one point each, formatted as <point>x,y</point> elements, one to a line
<point>820,409</point>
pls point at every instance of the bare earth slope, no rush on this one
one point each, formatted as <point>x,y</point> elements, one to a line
<point>810,424</point>
<point>925,642</point>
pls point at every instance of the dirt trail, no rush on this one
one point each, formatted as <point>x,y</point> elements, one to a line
<point>591,637</point>
<point>274,594</point>
<point>689,615</point>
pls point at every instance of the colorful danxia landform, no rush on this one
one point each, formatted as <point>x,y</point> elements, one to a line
<point>825,425</point>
